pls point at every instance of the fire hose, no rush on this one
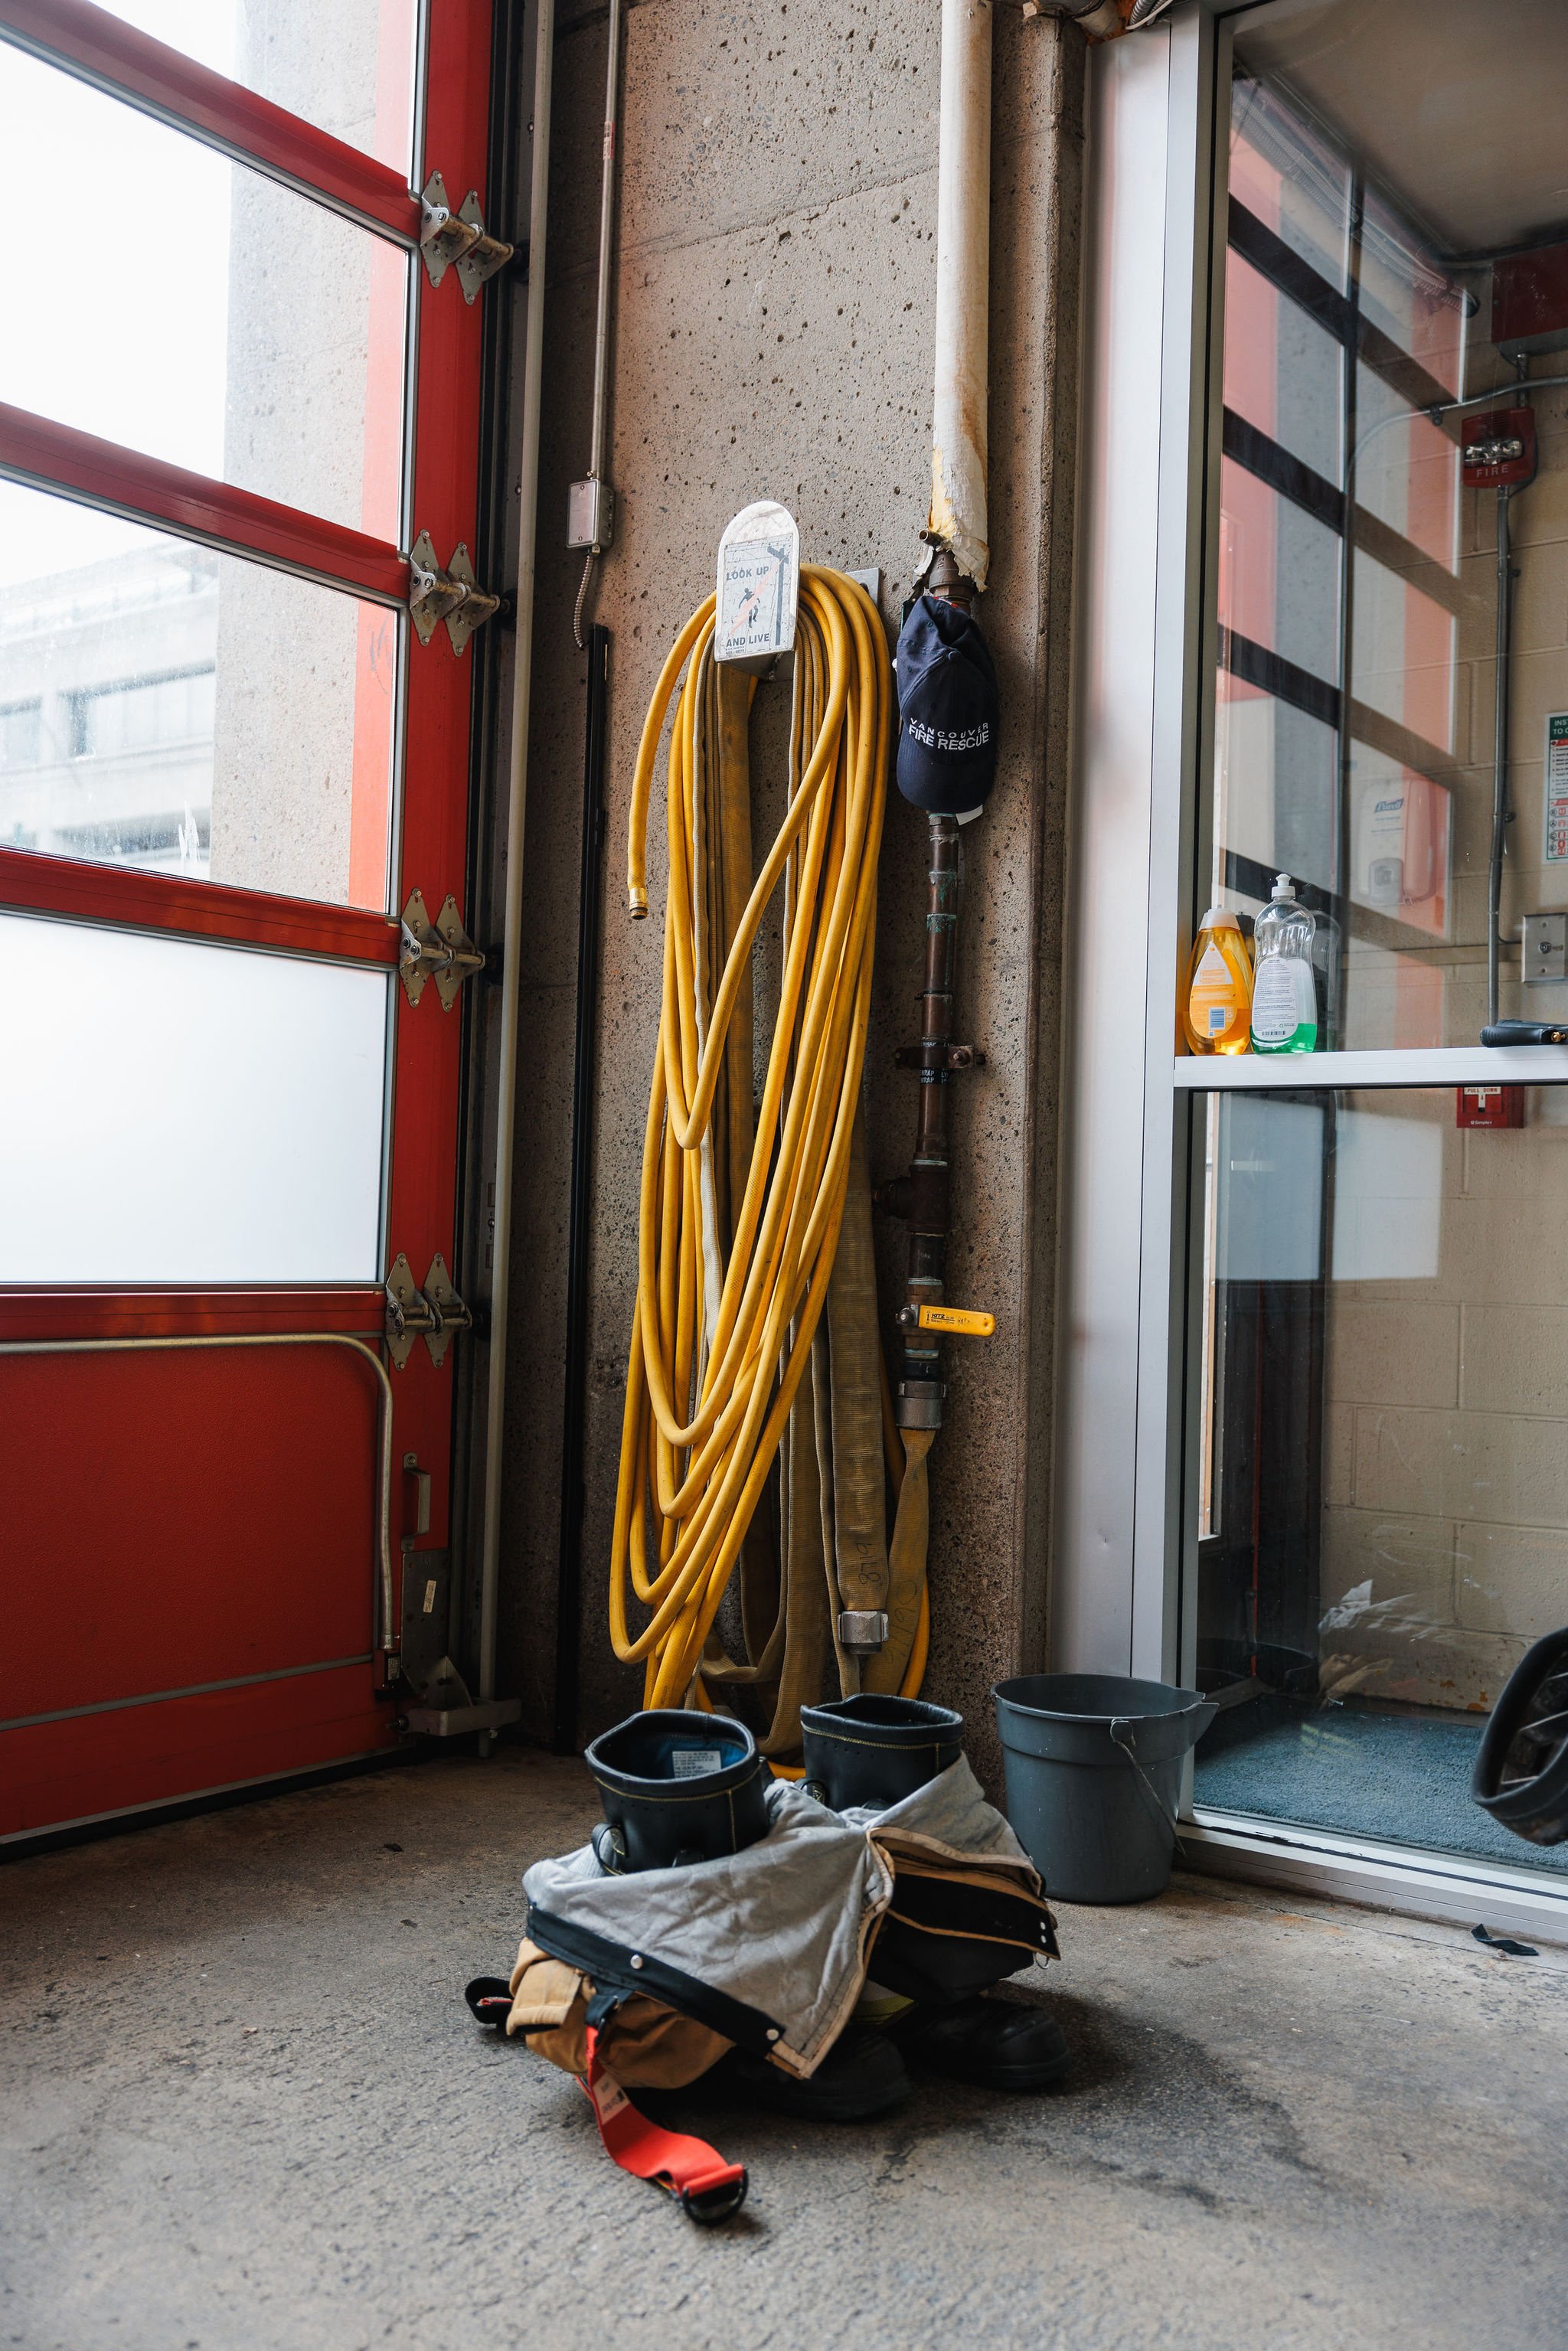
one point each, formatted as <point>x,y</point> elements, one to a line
<point>755,1337</point>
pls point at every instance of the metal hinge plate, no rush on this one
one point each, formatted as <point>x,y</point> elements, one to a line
<point>408,1312</point>
<point>442,951</point>
<point>449,593</point>
<point>449,239</point>
<point>436,1314</point>
<point>451,1314</point>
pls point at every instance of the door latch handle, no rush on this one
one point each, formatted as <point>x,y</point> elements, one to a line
<point>421,1501</point>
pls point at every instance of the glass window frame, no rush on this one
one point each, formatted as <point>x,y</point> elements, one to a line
<point>1125,1533</point>
<point>427,816</point>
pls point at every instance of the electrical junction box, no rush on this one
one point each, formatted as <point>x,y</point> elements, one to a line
<point>590,514</point>
<point>1544,957</point>
<point>1489,1107</point>
<point>758,588</point>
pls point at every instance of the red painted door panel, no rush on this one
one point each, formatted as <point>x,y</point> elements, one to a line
<point>191,1551</point>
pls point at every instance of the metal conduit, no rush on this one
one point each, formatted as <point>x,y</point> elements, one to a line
<point>385,1636</point>
<point>1499,751</point>
<point>517,809</point>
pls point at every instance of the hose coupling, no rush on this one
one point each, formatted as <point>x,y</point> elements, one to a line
<point>919,1404</point>
<point>862,1630</point>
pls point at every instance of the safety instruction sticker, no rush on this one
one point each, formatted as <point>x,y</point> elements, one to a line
<point>1557,787</point>
<point>758,587</point>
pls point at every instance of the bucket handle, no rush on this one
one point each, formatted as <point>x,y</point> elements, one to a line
<point>1146,1785</point>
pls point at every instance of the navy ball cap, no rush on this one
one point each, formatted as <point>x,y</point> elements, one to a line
<point>947,709</point>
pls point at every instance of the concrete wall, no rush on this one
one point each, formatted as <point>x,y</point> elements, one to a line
<point>774,335</point>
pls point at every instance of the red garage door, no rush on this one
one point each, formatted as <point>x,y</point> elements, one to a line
<point>236,401</point>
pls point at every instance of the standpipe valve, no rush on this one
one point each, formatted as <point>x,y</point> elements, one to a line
<point>947,763</point>
<point>964,1322</point>
<point>919,1390</point>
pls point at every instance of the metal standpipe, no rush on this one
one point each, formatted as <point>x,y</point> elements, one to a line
<point>1499,811</point>
<point>919,1393</point>
<point>385,1635</point>
<point>516,805</point>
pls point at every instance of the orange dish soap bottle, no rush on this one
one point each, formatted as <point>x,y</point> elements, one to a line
<point>1218,1011</point>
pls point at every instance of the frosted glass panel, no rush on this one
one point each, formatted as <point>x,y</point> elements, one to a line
<point>182,1113</point>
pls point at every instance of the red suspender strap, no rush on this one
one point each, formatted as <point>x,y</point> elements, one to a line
<point>706,2188</point>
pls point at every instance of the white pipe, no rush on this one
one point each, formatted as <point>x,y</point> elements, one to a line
<point>517,804</point>
<point>957,518</point>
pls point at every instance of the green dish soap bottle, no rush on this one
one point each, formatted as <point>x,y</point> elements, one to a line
<point>1284,989</point>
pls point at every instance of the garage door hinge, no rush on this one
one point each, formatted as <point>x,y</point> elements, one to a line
<point>450,239</point>
<point>451,594</point>
<point>442,951</point>
<point>434,1313</point>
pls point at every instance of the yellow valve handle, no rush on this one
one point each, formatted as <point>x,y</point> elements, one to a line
<point>964,1319</point>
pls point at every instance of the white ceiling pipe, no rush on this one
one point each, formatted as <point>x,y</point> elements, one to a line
<point>957,518</point>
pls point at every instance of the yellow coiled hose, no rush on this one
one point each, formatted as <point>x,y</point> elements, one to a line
<point>739,1230</point>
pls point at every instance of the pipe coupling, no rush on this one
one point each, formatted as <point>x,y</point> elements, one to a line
<point>919,1404</point>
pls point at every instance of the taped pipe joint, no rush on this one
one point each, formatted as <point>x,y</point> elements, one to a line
<point>957,519</point>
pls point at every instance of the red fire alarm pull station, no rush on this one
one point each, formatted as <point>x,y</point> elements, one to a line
<point>1491,1106</point>
<point>1498,450</point>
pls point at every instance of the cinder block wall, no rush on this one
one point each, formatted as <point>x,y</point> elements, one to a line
<point>773,334</point>
<point>1446,1501</point>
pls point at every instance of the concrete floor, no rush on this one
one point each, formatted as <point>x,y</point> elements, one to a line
<point>242,2108</point>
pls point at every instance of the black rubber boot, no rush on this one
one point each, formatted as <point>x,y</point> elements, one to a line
<point>861,2074</point>
<point>490,1999</point>
<point>995,2044</point>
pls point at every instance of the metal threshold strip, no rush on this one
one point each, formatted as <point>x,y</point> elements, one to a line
<point>1460,1889</point>
<point>194,1689</point>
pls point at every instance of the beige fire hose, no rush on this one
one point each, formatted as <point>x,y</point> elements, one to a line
<point>755,1338</point>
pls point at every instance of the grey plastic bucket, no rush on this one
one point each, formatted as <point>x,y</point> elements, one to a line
<point>1093,1770</point>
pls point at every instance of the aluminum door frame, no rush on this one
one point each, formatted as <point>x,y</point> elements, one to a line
<point>1123,1567</point>
<point>1137,732</point>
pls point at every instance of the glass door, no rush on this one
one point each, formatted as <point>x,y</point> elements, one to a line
<point>233,745</point>
<point>1375,1504</point>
